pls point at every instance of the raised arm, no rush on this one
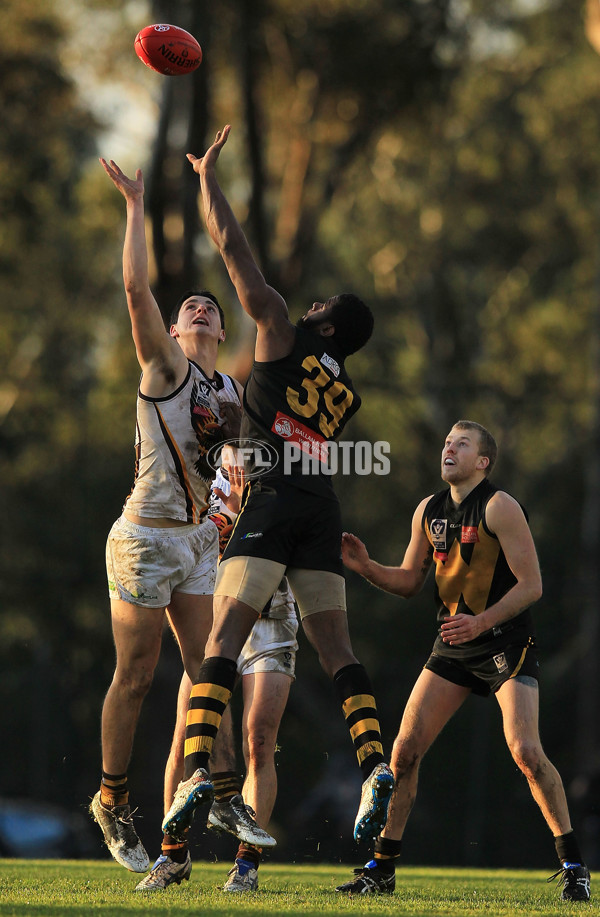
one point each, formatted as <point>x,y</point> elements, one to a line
<point>405,580</point>
<point>505,518</point>
<point>258,299</point>
<point>158,354</point>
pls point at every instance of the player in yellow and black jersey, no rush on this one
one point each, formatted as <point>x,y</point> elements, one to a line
<point>486,577</point>
<point>296,402</point>
<point>471,575</point>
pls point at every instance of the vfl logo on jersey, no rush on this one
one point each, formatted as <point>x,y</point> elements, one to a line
<point>331,364</point>
<point>468,534</point>
<point>501,663</point>
<point>204,390</point>
<point>438,529</point>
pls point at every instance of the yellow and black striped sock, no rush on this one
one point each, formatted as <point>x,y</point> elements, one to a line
<point>114,790</point>
<point>354,690</point>
<point>210,695</point>
<point>227,784</point>
<point>386,852</point>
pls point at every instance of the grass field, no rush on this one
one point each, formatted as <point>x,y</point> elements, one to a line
<point>70,888</point>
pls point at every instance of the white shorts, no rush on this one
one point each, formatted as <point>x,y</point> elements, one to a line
<point>272,644</point>
<point>145,566</point>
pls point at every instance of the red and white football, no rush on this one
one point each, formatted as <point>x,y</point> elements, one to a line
<point>168,49</point>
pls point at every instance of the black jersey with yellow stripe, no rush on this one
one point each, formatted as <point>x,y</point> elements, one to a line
<point>471,571</point>
<point>305,399</point>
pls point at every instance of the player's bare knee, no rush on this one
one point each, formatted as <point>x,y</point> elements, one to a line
<point>405,758</point>
<point>259,750</point>
<point>529,758</point>
<point>134,682</point>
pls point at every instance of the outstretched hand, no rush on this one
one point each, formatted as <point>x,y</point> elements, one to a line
<point>212,153</point>
<point>354,553</point>
<point>130,188</point>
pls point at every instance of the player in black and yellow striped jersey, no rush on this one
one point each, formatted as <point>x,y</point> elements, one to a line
<point>299,394</point>
<point>486,578</point>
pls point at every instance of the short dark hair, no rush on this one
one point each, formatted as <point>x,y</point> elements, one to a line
<point>177,307</point>
<point>353,322</point>
<point>487,444</point>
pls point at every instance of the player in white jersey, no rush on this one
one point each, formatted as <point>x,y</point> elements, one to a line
<point>162,552</point>
<point>266,667</point>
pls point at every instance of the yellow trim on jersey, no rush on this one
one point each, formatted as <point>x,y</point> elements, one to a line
<point>472,581</point>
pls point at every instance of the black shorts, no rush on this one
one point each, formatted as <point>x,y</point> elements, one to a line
<point>279,521</point>
<point>489,666</point>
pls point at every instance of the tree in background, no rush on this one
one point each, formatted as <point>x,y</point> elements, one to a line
<point>439,159</point>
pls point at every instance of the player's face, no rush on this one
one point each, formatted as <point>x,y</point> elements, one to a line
<point>200,315</point>
<point>460,456</point>
<point>318,315</point>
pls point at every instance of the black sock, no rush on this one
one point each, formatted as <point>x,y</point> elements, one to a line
<point>385,854</point>
<point>567,849</point>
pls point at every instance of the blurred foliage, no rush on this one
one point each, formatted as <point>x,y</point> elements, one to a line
<point>439,158</point>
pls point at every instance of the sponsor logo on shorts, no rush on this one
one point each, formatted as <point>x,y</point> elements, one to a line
<point>251,535</point>
<point>331,364</point>
<point>501,663</point>
<point>468,534</point>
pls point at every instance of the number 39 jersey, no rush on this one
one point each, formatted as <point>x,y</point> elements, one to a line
<point>304,399</point>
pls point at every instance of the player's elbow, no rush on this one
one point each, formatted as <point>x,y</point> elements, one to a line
<point>535,590</point>
<point>408,586</point>
<point>136,291</point>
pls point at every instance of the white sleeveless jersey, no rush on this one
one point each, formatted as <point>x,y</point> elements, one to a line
<point>173,437</point>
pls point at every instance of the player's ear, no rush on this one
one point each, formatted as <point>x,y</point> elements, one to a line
<point>482,462</point>
<point>326,330</point>
<point>221,335</point>
<point>173,331</point>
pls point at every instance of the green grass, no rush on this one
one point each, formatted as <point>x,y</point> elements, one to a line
<point>65,888</point>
